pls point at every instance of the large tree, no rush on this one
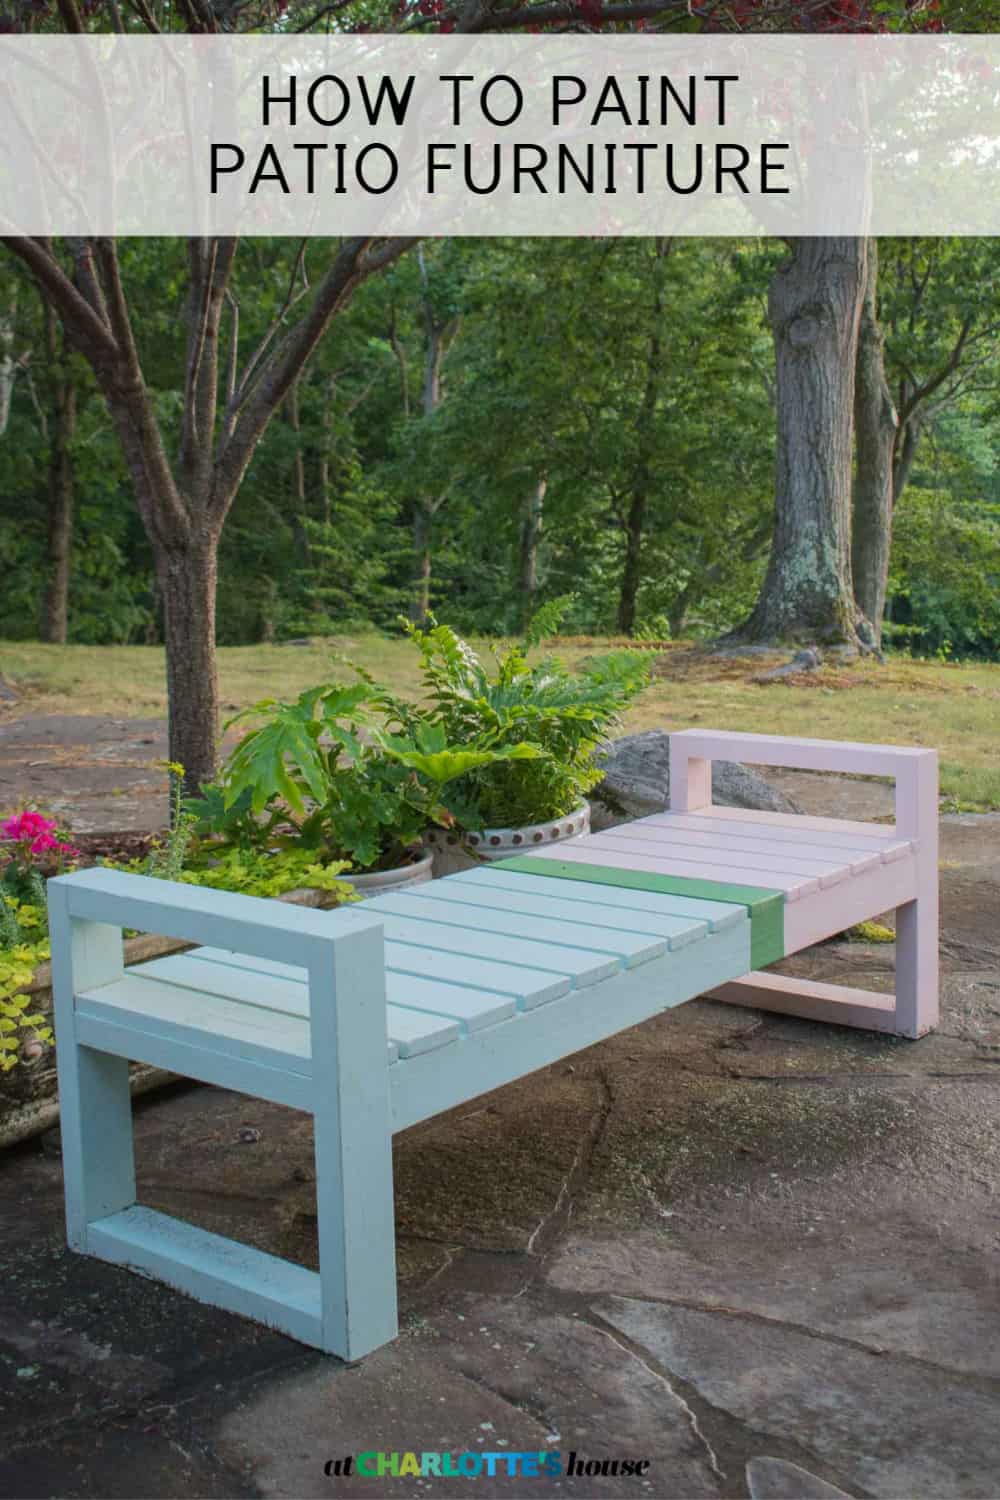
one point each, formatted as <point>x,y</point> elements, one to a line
<point>929,340</point>
<point>814,306</point>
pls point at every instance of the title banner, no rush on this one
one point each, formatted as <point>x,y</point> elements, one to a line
<point>567,135</point>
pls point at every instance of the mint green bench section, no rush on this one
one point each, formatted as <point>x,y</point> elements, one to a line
<point>370,1018</point>
<point>764,907</point>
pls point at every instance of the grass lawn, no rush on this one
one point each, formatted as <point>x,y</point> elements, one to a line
<point>954,707</point>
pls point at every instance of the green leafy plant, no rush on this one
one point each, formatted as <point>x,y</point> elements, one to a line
<point>351,774</point>
<point>238,864</point>
<point>263,873</point>
<point>31,849</point>
<point>541,723</point>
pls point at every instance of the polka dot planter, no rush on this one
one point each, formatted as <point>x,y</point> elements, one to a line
<point>454,852</point>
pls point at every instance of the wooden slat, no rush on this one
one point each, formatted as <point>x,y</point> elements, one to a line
<point>612,906</point>
<point>558,908</point>
<point>527,986</point>
<point>469,907</point>
<point>749,863</point>
<point>435,998</point>
<point>807,853</point>
<point>212,1269</point>
<point>594,853</point>
<point>786,828</point>
<point>267,1036</point>
<point>877,832</point>
<point>207,1060</point>
<point>842,1005</point>
<point>583,968</point>
<point>240,978</point>
<point>534,1039</point>
<point>250,981</point>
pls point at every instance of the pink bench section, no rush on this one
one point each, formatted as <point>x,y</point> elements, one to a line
<point>880,869</point>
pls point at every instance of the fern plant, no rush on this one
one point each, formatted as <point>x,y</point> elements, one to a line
<point>347,773</point>
<point>560,716</point>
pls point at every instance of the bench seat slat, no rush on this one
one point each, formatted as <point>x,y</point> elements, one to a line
<point>528,987</point>
<point>792,830</point>
<point>246,983</point>
<point>877,832</point>
<point>211,1021</point>
<point>421,1013</point>
<point>498,912</point>
<point>440,937</point>
<point>724,856</point>
<point>424,1015</point>
<point>809,854</point>
<point>443,984</point>
<point>553,905</point>
<point>612,906</point>
<point>596,852</point>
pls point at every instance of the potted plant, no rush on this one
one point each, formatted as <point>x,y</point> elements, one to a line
<point>327,780</point>
<point>556,718</point>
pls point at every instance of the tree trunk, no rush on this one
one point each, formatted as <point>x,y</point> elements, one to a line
<point>815,307</point>
<point>62,427</point>
<point>420,604</point>
<point>60,512</point>
<point>632,566</point>
<point>8,364</point>
<point>875,424</point>
<point>907,443</point>
<point>643,478</point>
<point>188,576</point>
<point>531,532</point>
<point>298,476</point>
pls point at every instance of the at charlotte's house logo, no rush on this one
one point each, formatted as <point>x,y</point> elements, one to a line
<point>544,1463</point>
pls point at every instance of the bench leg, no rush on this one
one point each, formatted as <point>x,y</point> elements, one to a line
<point>911,1013</point>
<point>353,1144</point>
<point>95,1110</point>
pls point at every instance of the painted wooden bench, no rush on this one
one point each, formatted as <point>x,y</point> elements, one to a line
<point>373,1018</point>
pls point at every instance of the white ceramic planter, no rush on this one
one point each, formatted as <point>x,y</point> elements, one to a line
<point>380,881</point>
<point>454,852</point>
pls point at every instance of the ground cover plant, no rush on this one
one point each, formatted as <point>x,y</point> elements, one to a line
<point>31,850</point>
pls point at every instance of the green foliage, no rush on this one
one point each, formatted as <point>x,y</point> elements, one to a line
<point>18,961</point>
<point>241,862</point>
<point>542,722</point>
<point>263,872</point>
<point>944,582</point>
<point>24,941</point>
<point>303,777</point>
<point>295,751</point>
<point>552,370</point>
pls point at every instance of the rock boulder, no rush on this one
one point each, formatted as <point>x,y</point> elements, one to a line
<point>637,781</point>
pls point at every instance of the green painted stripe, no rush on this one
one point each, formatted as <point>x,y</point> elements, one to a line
<point>766,908</point>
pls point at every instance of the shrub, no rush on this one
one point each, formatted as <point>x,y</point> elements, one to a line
<point>560,715</point>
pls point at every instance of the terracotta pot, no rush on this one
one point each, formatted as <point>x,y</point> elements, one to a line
<point>454,852</point>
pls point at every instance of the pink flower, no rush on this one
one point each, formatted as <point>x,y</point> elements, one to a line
<point>34,834</point>
<point>26,825</point>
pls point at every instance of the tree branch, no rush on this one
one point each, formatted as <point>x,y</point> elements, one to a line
<point>357,260</point>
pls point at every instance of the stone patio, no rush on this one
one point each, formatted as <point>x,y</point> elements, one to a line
<point>718,1241</point>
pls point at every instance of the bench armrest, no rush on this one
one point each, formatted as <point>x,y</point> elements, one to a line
<point>915,770</point>
<point>251,925</point>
